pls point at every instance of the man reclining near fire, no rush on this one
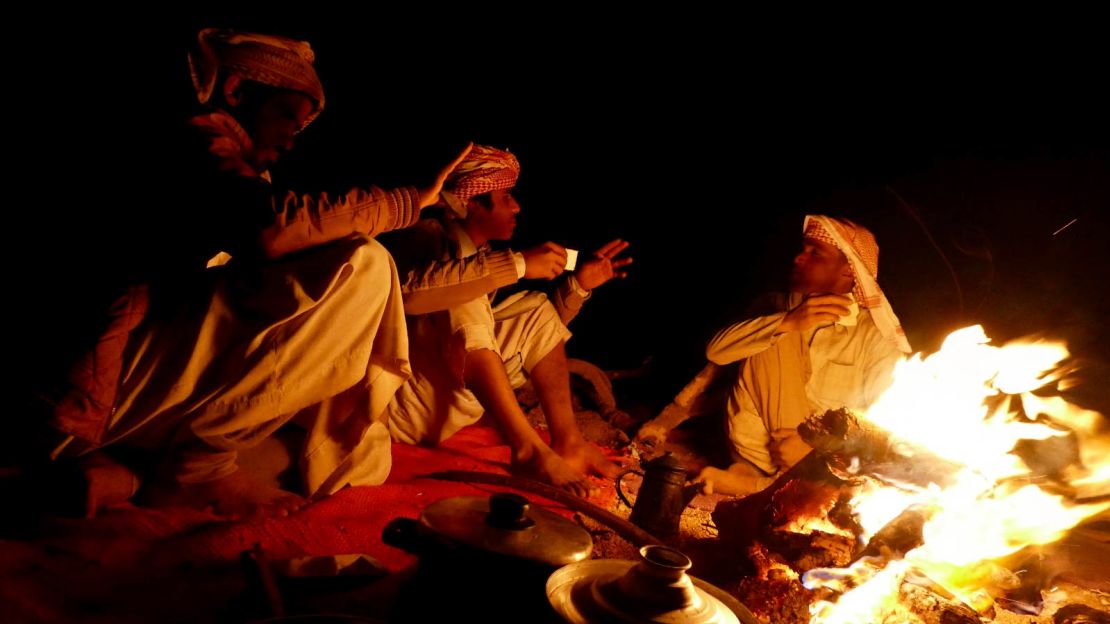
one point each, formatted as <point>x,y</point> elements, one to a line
<point>832,341</point>
<point>468,355</point>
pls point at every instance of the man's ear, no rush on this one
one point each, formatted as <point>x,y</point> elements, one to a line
<point>233,90</point>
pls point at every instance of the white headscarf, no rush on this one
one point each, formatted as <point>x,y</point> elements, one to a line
<point>858,244</point>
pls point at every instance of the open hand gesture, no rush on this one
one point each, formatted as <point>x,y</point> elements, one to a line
<point>604,266</point>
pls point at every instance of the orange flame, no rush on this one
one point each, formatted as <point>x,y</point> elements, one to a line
<point>954,404</point>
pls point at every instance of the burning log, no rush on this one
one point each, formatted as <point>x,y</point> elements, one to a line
<point>816,549</point>
<point>807,527</point>
<point>1080,614</point>
<point>784,530</point>
<point>854,447</point>
<point>774,593</point>
<point>839,433</point>
<point>743,520</point>
<point>932,608</point>
<point>898,537</point>
<point>802,522</point>
<point>970,461</point>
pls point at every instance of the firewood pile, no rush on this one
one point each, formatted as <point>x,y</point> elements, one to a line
<point>803,522</point>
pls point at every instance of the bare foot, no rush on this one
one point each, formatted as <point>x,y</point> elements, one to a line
<point>542,464</point>
<point>587,458</point>
<point>238,496</point>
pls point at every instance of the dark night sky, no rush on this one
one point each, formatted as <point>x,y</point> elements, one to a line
<point>702,142</point>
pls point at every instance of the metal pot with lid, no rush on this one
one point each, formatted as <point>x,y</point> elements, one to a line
<point>486,557</point>
<point>664,495</point>
<point>654,590</point>
<point>504,525</point>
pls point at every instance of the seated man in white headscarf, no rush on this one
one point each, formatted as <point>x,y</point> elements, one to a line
<point>257,307</point>
<point>467,356</point>
<point>831,342</point>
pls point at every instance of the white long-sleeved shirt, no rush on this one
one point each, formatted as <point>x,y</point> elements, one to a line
<point>784,377</point>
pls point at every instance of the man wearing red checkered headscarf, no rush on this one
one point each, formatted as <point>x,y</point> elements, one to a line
<point>255,305</point>
<point>468,358</point>
<point>861,251</point>
<point>832,341</point>
<point>486,169</point>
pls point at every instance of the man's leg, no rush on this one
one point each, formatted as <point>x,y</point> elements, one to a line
<point>336,446</point>
<point>485,377</point>
<point>228,482</point>
<point>323,327</point>
<point>529,328</point>
<point>551,380</point>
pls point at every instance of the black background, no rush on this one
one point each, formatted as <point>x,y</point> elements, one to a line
<point>699,136</point>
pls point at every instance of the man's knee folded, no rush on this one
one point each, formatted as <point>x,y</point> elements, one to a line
<point>370,258</point>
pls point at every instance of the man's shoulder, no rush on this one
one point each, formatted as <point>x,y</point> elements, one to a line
<point>868,331</point>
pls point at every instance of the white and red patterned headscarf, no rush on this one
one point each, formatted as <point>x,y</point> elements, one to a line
<point>484,170</point>
<point>858,244</point>
<point>268,59</point>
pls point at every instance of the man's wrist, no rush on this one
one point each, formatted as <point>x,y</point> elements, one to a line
<point>520,263</point>
<point>577,287</point>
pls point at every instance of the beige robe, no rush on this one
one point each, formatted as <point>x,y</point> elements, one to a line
<point>784,378</point>
<point>319,336</point>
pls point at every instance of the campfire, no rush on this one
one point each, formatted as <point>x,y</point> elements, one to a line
<point>931,505</point>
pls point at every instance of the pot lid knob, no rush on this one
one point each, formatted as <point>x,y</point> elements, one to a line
<point>509,511</point>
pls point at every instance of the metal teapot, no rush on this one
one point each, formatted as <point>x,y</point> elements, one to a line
<point>663,496</point>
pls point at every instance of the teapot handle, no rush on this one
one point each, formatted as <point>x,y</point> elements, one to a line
<point>620,492</point>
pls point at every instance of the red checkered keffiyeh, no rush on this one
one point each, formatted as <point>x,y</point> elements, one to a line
<point>267,59</point>
<point>858,244</point>
<point>485,169</point>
